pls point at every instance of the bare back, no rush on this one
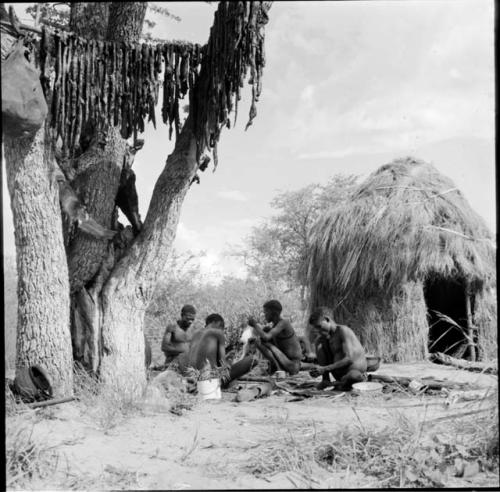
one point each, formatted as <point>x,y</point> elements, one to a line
<point>207,344</point>
<point>344,343</point>
<point>287,341</point>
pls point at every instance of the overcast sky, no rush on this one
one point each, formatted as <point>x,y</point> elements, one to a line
<point>348,86</point>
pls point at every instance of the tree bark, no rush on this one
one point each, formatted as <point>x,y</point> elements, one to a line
<point>96,181</point>
<point>90,19</point>
<point>130,288</point>
<point>43,335</point>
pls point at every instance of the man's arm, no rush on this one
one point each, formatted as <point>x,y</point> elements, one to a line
<point>267,335</point>
<point>168,346</point>
<point>165,343</point>
<point>345,361</point>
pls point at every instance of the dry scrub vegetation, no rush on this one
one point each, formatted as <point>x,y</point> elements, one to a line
<point>404,454</point>
<point>418,452</point>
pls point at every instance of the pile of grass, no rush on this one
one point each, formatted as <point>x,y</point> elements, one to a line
<point>404,454</point>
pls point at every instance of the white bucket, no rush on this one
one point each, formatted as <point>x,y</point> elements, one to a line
<point>209,389</point>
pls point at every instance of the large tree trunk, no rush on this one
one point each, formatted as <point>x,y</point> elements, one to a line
<point>96,180</point>
<point>43,335</point>
<point>130,288</point>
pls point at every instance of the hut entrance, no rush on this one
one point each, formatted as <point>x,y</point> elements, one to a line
<point>447,297</point>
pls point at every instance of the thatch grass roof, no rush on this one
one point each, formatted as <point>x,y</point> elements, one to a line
<point>405,222</point>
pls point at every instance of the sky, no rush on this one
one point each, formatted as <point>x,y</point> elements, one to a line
<point>347,87</point>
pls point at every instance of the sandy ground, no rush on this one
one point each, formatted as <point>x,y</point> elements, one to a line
<point>212,445</point>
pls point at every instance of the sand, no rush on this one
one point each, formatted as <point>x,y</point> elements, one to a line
<point>214,444</point>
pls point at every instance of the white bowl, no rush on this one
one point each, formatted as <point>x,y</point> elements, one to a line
<point>367,387</point>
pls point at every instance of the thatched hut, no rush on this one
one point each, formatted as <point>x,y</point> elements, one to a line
<point>408,264</point>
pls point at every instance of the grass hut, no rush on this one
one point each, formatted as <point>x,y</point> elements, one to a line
<point>408,264</point>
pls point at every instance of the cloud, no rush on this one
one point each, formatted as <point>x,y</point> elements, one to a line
<point>234,195</point>
<point>328,154</point>
<point>215,266</point>
<point>187,237</point>
<point>409,87</point>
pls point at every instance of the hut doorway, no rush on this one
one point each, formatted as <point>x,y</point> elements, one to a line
<point>447,297</point>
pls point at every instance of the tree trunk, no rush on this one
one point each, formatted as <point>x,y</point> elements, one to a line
<point>130,288</point>
<point>96,181</point>
<point>43,335</point>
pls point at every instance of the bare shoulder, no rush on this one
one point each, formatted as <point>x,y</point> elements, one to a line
<point>214,332</point>
<point>285,323</point>
<point>285,326</point>
<point>171,327</point>
<point>346,332</point>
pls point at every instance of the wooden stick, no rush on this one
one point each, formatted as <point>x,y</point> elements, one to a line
<point>456,415</point>
<point>254,379</point>
<point>470,326</point>
<point>47,403</point>
<point>448,360</point>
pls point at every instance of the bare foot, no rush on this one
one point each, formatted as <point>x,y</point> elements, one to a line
<point>323,384</point>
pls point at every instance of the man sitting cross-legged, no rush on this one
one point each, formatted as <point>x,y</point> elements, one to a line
<point>208,346</point>
<point>175,340</point>
<point>338,350</point>
<point>277,341</point>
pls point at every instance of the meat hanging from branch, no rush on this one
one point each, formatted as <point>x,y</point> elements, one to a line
<point>117,84</point>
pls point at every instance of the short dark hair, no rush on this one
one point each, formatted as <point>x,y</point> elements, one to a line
<point>214,318</point>
<point>187,308</point>
<point>320,312</point>
<point>273,305</point>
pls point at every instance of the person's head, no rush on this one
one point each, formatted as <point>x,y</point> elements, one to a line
<point>188,314</point>
<point>322,320</point>
<point>215,320</point>
<point>272,310</point>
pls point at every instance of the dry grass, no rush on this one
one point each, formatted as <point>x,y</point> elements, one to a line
<point>404,454</point>
<point>27,458</point>
<point>107,404</point>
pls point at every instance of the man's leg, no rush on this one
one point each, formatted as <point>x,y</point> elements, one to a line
<point>241,367</point>
<point>345,382</point>
<point>290,366</point>
<point>266,352</point>
<point>323,360</point>
<point>277,358</point>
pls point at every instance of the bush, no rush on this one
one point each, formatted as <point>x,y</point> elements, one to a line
<point>233,298</point>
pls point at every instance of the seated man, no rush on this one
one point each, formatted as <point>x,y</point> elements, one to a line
<point>175,340</point>
<point>277,341</point>
<point>208,346</point>
<point>338,350</point>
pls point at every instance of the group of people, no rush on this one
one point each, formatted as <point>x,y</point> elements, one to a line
<point>338,351</point>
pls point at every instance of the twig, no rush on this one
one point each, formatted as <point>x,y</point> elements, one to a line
<point>451,231</point>
<point>47,403</point>
<point>458,415</point>
<point>255,379</point>
<point>359,420</point>
<point>463,364</point>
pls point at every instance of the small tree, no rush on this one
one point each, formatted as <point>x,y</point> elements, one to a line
<point>275,250</point>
